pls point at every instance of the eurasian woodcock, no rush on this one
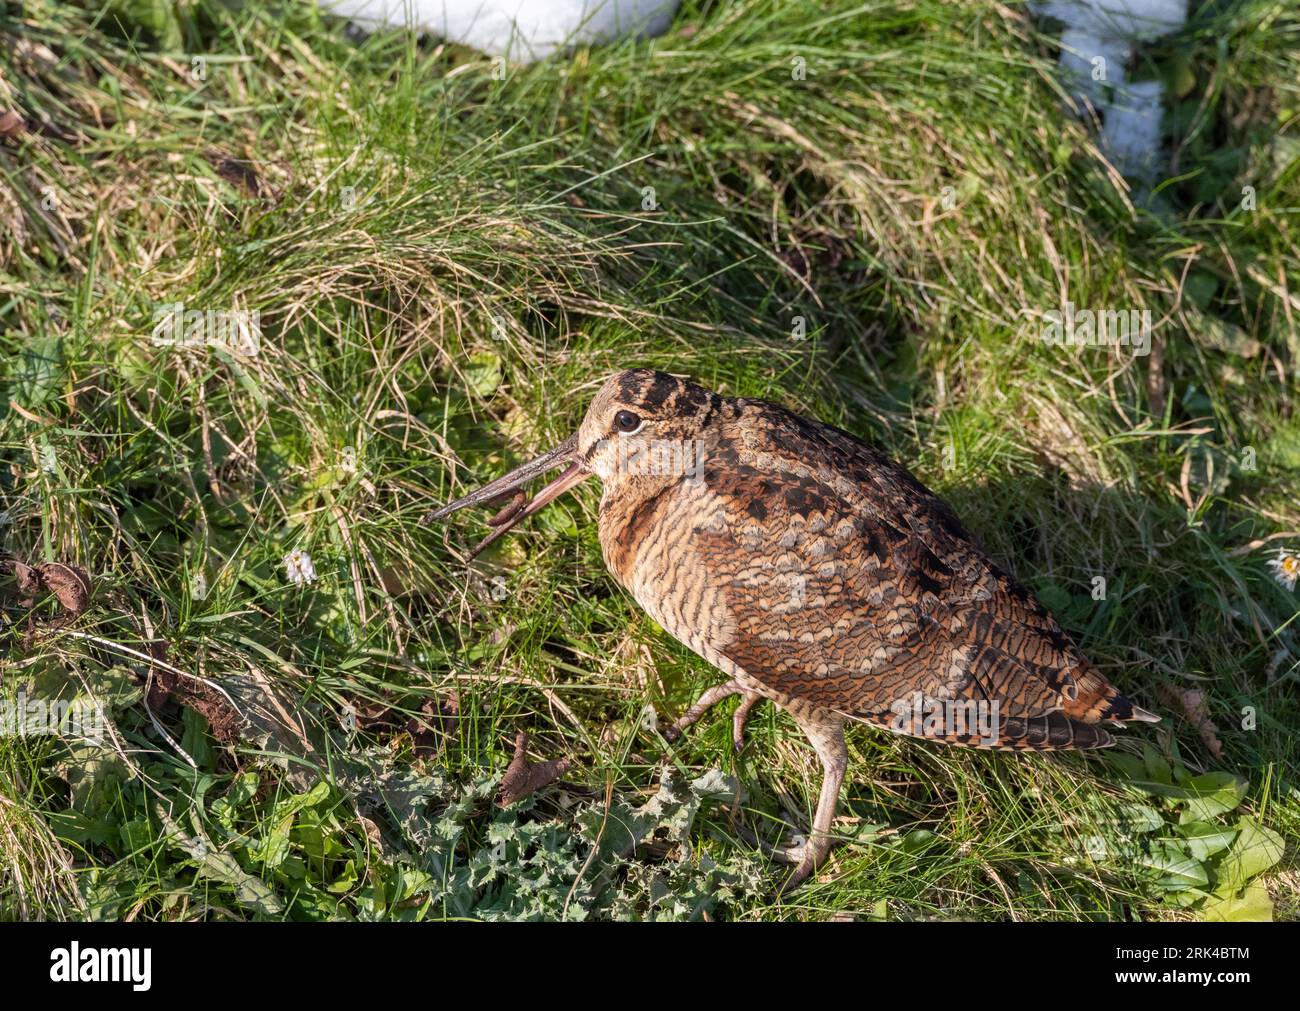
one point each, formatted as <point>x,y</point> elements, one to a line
<point>814,571</point>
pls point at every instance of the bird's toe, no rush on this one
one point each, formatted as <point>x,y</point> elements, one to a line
<point>741,718</point>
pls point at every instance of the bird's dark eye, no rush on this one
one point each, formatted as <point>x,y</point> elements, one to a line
<point>627,421</point>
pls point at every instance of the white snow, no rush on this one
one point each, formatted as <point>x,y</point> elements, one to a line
<point>1097,43</point>
<point>1131,136</point>
<point>1135,20</point>
<point>521,30</point>
<point>1081,47</point>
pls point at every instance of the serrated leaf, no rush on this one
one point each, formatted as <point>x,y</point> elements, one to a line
<point>674,807</point>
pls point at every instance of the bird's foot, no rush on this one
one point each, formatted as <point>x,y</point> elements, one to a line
<point>806,856</point>
<point>707,701</point>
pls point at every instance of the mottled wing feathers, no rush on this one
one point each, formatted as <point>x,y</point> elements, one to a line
<point>855,589</point>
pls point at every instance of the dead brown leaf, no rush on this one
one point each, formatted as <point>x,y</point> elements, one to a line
<point>11,124</point>
<point>205,700</point>
<point>239,173</point>
<point>69,583</point>
<point>29,582</point>
<point>523,778</point>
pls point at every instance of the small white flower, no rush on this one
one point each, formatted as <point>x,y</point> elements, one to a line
<point>298,566</point>
<point>348,461</point>
<point>1286,568</point>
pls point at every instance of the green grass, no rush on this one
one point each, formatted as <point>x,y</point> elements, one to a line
<point>446,267</point>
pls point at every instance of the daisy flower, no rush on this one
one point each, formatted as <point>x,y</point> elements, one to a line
<point>298,566</point>
<point>1286,568</point>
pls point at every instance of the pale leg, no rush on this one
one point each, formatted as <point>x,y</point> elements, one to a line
<point>827,737</point>
<point>707,701</point>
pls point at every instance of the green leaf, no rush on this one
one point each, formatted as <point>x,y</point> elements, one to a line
<point>115,688</point>
<point>292,805</point>
<point>1204,840</point>
<point>1186,898</point>
<point>917,840</point>
<point>558,521</point>
<point>1201,287</point>
<point>39,370</point>
<point>247,380</point>
<point>274,845</point>
<point>673,807</point>
<point>1130,765</point>
<point>1157,768</point>
<point>1177,871</point>
<point>1286,150</point>
<point>137,835</point>
<point>195,741</point>
<point>1053,597</point>
<point>1219,334</point>
<point>1212,794</point>
<point>219,866</point>
<point>77,828</point>
<point>95,776</point>
<point>1252,906</point>
<point>1141,818</point>
<point>483,373</point>
<point>1178,76</point>
<point>1255,850</point>
<point>242,789</point>
<point>346,881</point>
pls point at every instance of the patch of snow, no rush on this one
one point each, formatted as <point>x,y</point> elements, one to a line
<point>1089,61</point>
<point>1131,136</point>
<point>521,30</point>
<point>1096,45</point>
<point>1135,20</point>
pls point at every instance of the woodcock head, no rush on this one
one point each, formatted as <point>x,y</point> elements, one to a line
<point>644,429</point>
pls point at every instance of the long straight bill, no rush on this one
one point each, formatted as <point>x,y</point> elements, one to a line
<point>564,453</point>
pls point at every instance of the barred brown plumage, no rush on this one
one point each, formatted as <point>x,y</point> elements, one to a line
<point>818,573</point>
